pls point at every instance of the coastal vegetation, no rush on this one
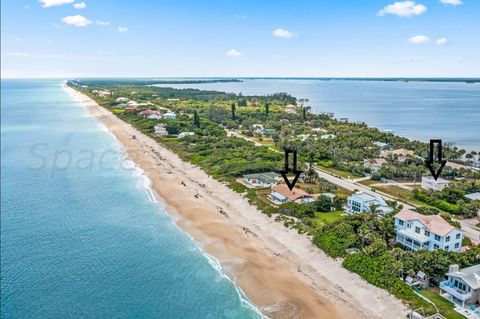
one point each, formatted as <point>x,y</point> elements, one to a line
<point>235,135</point>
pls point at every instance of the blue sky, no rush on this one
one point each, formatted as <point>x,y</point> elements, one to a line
<point>368,38</point>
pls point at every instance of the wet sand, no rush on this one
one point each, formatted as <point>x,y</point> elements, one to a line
<point>280,271</point>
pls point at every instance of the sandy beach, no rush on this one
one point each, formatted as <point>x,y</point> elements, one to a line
<point>280,271</point>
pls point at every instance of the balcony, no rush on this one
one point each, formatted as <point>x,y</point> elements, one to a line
<point>461,295</point>
<point>413,235</point>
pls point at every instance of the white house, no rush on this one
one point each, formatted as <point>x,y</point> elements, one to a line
<point>257,128</point>
<point>319,129</point>
<point>151,114</point>
<point>473,196</point>
<point>185,134</point>
<point>416,231</point>
<point>160,130</point>
<point>327,136</point>
<point>266,179</point>
<point>381,145</point>
<point>169,116</point>
<point>361,202</point>
<point>462,286</point>
<point>428,182</point>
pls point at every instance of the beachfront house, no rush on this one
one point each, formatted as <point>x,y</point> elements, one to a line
<point>429,183</point>
<point>416,231</point>
<point>150,114</point>
<point>170,116</point>
<point>462,286</point>
<point>259,180</point>
<point>160,130</point>
<point>361,202</point>
<point>102,93</point>
<point>281,194</point>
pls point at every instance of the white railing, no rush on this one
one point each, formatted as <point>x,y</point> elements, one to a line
<point>452,290</point>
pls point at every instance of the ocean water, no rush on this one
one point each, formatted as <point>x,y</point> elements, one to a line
<point>80,235</point>
<point>418,110</point>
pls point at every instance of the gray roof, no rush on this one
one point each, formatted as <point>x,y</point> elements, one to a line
<point>473,196</point>
<point>278,195</point>
<point>329,195</point>
<point>380,144</point>
<point>267,177</point>
<point>470,275</point>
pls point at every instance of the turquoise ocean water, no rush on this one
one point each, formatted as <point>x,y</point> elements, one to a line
<point>81,236</point>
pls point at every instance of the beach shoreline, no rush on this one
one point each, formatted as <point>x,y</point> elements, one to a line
<point>280,271</point>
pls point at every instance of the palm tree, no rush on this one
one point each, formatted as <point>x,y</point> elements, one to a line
<point>364,232</point>
<point>196,119</point>
<point>233,111</point>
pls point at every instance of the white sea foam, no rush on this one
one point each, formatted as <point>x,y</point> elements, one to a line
<point>145,184</point>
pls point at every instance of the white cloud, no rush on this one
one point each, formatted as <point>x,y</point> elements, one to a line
<point>403,9</point>
<point>441,41</point>
<point>54,3</point>
<point>234,53</point>
<point>281,33</point>
<point>419,39</point>
<point>20,54</point>
<point>122,29</point>
<point>103,23</point>
<point>80,5</point>
<point>77,20</point>
<point>452,2</point>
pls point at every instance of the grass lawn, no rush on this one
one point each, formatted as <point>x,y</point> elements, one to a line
<point>403,194</point>
<point>316,189</point>
<point>261,197</point>
<point>338,172</point>
<point>327,218</point>
<point>444,306</point>
<point>368,182</point>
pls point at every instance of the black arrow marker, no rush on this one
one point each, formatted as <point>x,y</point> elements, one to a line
<point>439,158</point>
<point>287,169</point>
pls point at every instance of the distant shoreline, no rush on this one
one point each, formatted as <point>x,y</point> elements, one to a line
<point>386,79</point>
<point>215,79</point>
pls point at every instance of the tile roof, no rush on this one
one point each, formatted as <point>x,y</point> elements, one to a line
<point>293,194</point>
<point>434,223</point>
